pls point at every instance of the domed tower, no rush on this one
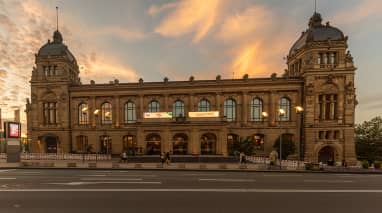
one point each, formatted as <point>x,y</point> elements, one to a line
<point>48,111</point>
<point>321,58</point>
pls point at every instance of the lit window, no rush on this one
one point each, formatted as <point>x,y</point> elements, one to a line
<point>83,114</point>
<point>106,113</point>
<point>284,104</point>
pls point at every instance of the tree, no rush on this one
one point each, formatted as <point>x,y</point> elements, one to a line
<point>243,145</point>
<point>368,142</point>
<point>288,146</point>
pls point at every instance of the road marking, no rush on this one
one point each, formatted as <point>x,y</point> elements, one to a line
<point>102,182</point>
<point>125,179</point>
<point>329,181</point>
<point>7,170</point>
<point>203,174</point>
<point>226,180</point>
<point>7,178</point>
<point>283,175</point>
<point>92,175</point>
<point>204,190</point>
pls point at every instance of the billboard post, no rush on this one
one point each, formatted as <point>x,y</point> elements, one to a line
<point>12,133</point>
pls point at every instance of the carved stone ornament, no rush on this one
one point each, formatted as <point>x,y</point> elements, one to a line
<point>309,89</point>
<point>348,57</point>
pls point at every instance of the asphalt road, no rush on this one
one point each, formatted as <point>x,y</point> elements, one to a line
<point>177,191</point>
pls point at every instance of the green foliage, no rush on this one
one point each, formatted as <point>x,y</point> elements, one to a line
<point>377,164</point>
<point>365,164</point>
<point>369,140</point>
<point>243,145</point>
<point>288,146</point>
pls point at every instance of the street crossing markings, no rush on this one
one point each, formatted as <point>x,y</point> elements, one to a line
<point>7,178</point>
<point>283,175</point>
<point>111,179</point>
<point>328,181</point>
<point>7,170</point>
<point>103,182</point>
<point>226,180</point>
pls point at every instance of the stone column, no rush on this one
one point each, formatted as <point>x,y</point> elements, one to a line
<point>117,111</point>
<point>165,108</point>
<point>141,143</point>
<point>244,107</point>
<point>141,110</point>
<point>223,142</point>
<point>217,99</point>
<point>191,107</point>
<point>93,107</point>
<point>194,140</point>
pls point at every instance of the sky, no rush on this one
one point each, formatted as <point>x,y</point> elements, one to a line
<point>153,39</point>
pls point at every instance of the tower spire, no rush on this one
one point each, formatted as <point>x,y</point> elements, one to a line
<point>315,6</point>
<point>57,16</point>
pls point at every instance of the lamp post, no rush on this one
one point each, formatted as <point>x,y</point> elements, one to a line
<point>281,115</point>
<point>264,115</point>
<point>299,111</point>
<point>96,111</point>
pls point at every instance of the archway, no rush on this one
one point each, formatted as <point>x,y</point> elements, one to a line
<point>153,144</point>
<point>130,144</point>
<point>180,144</point>
<point>326,155</point>
<point>208,144</point>
<point>51,143</point>
<point>105,144</point>
<point>232,140</point>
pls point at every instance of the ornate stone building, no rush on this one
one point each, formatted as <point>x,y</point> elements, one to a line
<point>65,115</point>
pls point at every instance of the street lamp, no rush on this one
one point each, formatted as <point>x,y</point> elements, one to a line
<point>299,111</point>
<point>264,115</point>
<point>281,114</point>
<point>96,111</point>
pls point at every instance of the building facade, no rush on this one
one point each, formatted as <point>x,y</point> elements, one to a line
<point>316,96</point>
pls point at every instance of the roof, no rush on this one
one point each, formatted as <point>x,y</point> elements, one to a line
<point>56,48</point>
<point>317,32</point>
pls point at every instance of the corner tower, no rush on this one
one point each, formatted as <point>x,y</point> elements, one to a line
<point>321,58</point>
<point>48,111</point>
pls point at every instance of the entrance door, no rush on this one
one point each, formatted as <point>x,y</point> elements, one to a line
<point>326,155</point>
<point>51,144</point>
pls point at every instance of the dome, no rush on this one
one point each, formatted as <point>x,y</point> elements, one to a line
<point>317,32</point>
<point>56,48</point>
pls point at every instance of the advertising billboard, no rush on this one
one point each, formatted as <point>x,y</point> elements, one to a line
<point>12,129</point>
<point>157,115</point>
<point>209,114</point>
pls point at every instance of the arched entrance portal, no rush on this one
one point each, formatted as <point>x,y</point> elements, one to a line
<point>208,144</point>
<point>179,144</point>
<point>130,144</point>
<point>153,144</point>
<point>51,143</point>
<point>326,155</point>
<point>105,144</point>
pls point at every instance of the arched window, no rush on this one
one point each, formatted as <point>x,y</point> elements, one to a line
<point>256,109</point>
<point>154,106</point>
<point>178,108</point>
<point>83,114</point>
<point>204,105</point>
<point>208,144</point>
<point>153,144</point>
<point>130,114</point>
<point>284,104</point>
<point>106,113</point>
<point>230,109</point>
<point>179,144</point>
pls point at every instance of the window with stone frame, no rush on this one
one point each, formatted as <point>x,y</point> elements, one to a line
<point>50,113</point>
<point>83,114</point>
<point>256,109</point>
<point>130,115</point>
<point>204,105</point>
<point>328,106</point>
<point>230,109</point>
<point>285,105</point>
<point>154,106</point>
<point>106,113</point>
<point>178,108</point>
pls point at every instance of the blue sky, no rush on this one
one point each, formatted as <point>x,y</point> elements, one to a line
<point>154,39</point>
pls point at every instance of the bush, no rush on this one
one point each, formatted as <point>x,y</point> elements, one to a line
<point>308,166</point>
<point>365,164</point>
<point>377,164</point>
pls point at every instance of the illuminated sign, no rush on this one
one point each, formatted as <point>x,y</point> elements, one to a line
<point>157,115</point>
<point>209,114</point>
<point>12,129</point>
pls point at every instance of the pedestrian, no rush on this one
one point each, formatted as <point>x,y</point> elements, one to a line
<point>168,160</point>
<point>124,157</point>
<point>162,158</point>
<point>242,158</point>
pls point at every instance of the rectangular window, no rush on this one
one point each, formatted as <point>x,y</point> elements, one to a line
<point>336,135</point>
<point>321,135</point>
<point>50,113</point>
<point>319,58</point>
<point>328,135</point>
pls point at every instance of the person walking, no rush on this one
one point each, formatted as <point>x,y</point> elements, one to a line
<point>242,158</point>
<point>124,157</point>
<point>168,160</point>
<point>162,157</point>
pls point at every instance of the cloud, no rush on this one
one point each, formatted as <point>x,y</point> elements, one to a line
<point>123,33</point>
<point>359,12</point>
<point>195,17</point>
<point>155,9</point>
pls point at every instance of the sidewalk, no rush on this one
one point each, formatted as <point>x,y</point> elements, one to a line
<point>249,167</point>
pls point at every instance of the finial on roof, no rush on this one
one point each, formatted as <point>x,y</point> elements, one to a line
<point>57,17</point>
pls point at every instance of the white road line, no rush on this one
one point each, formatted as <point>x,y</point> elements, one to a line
<point>7,170</point>
<point>295,175</point>
<point>329,181</point>
<point>226,180</point>
<point>124,179</point>
<point>204,190</point>
<point>7,178</point>
<point>103,182</point>
<point>92,175</point>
